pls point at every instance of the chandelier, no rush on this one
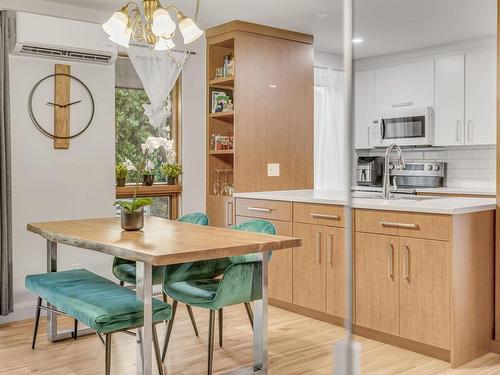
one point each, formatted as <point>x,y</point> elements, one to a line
<point>154,27</point>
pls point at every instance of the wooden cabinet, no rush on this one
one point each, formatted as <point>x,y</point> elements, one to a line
<point>480,97</point>
<point>309,269</point>
<point>405,85</point>
<point>449,109</point>
<point>335,272</point>
<point>425,291</point>
<point>377,282</point>
<point>364,107</point>
<point>220,210</point>
<point>269,107</point>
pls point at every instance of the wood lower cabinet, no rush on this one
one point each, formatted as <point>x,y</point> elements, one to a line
<point>309,271</point>
<point>377,282</point>
<point>425,291</point>
<point>335,272</point>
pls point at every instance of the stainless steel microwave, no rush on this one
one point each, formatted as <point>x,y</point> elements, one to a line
<point>405,127</point>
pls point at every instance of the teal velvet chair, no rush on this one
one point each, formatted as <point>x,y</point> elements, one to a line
<point>124,270</point>
<point>99,303</point>
<point>200,284</point>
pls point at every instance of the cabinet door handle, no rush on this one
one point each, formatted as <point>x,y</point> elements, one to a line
<point>407,263</point>
<point>398,225</point>
<point>459,130</point>
<point>318,247</point>
<point>470,130</point>
<point>259,209</point>
<point>405,104</point>
<point>229,213</point>
<point>325,216</point>
<point>330,250</point>
<point>390,260</point>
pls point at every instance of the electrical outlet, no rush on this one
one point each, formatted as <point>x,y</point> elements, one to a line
<point>273,170</point>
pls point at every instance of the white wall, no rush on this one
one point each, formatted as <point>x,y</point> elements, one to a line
<point>328,60</point>
<point>49,184</point>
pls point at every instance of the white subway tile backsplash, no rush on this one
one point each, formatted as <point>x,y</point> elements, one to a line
<point>476,164</point>
<point>485,173</point>
<point>486,154</point>
<point>436,155</point>
<point>461,154</point>
<point>454,164</point>
<point>461,173</point>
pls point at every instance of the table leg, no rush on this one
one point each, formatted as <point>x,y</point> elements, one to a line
<point>260,323</point>
<point>144,288</point>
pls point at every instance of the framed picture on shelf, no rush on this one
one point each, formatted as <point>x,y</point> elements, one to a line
<point>220,99</point>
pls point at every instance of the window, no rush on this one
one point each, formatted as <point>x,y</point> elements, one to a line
<point>133,128</point>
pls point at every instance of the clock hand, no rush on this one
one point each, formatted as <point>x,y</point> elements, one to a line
<point>55,104</point>
<point>67,105</point>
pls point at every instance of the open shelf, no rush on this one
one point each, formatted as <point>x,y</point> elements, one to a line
<point>228,115</point>
<point>221,152</point>
<point>222,83</point>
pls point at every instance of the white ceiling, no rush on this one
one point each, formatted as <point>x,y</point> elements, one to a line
<point>386,26</point>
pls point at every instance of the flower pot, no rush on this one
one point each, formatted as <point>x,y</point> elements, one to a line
<point>148,179</point>
<point>120,181</point>
<point>132,220</point>
<point>171,180</point>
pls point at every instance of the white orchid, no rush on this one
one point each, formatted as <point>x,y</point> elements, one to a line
<point>150,166</point>
<point>154,143</point>
<point>129,165</point>
<point>171,156</point>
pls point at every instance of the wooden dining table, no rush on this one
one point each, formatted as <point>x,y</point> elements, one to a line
<point>163,242</point>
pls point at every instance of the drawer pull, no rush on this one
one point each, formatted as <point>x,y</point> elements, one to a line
<point>390,260</point>
<point>259,209</point>
<point>318,247</point>
<point>330,253</point>
<point>407,263</point>
<point>398,225</point>
<point>325,216</point>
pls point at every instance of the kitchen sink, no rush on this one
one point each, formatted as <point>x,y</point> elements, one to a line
<point>417,198</point>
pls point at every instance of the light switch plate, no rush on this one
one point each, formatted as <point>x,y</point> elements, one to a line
<point>273,170</point>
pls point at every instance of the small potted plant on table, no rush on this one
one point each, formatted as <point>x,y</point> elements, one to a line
<point>171,171</point>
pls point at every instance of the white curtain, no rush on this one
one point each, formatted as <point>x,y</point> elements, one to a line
<point>329,164</point>
<point>158,74</point>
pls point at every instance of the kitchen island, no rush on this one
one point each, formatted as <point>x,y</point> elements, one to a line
<point>423,266</point>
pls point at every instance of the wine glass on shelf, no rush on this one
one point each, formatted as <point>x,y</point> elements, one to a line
<point>224,184</point>
<point>217,185</point>
<point>229,186</point>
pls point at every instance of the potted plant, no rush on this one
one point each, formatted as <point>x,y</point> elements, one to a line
<point>171,171</point>
<point>132,212</point>
<point>121,173</point>
<point>148,177</point>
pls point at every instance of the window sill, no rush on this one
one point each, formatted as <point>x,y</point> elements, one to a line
<point>156,190</point>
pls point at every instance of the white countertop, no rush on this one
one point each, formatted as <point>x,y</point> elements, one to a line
<point>434,204</point>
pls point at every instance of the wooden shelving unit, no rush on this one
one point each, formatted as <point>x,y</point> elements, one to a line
<point>272,121</point>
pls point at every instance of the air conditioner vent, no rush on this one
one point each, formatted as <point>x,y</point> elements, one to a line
<point>65,54</point>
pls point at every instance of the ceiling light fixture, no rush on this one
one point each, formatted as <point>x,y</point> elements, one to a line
<point>357,40</point>
<point>154,26</point>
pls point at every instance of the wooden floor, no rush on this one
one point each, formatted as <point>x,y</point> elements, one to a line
<point>297,345</point>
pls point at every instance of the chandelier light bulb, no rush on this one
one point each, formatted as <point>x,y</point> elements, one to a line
<point>189,30</point>
<point>163,44</point>
<point>117,24</point>
<point>123,39</point>
<point>162,22</point>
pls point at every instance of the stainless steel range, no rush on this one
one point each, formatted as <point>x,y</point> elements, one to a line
<point>418,175</point>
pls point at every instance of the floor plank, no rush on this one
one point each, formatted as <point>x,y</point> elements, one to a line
<point>298,345</point>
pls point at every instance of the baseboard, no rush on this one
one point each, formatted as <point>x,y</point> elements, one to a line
<point>400,342</point>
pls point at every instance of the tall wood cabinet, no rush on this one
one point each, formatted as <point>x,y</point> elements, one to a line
<point>272,121</point>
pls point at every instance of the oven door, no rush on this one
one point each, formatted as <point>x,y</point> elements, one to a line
<point>407,128</point>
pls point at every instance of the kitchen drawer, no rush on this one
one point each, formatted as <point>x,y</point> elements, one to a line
<point>405,224</point>
<point>321,214</point>
<point>264,209</point>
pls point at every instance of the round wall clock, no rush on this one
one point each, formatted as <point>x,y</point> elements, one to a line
<point>60,102</point>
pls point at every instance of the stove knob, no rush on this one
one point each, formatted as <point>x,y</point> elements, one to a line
<point>428,167</point>
<point>436,167</point>
<point>391,166</point>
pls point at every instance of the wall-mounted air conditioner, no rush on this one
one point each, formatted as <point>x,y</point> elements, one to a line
<point>62,39</point>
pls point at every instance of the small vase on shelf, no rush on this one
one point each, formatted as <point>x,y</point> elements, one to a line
<point>120,181</point>
<point>171,180</point>
<point>148,179</point>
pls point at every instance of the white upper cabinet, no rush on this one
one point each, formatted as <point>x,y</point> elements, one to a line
<point>480,97</point>
<point>364,107</point>
<point>449,106</point>
<point>405,85</point>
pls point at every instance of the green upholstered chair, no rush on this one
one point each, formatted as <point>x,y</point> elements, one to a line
<point>125,271</point>
<point>200,284</point>
<point>97,302</point>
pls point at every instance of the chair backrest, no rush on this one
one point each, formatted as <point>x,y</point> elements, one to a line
<point>194,218</point>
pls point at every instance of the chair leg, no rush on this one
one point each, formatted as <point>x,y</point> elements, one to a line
<point>221,324</point>
<point>37,320</point>
<point>193,322</point>
<point>211,329</point>
<point>169,331</point>
<point>75,330</point>
<point>249,312</point>
<point>108,354</point>
<point>157,351</point>
<point>122,283</point>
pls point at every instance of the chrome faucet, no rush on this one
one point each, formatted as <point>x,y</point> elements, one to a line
<point>386,191</point>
